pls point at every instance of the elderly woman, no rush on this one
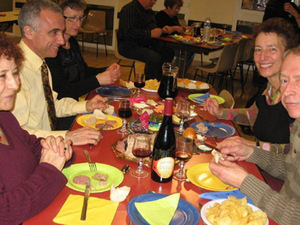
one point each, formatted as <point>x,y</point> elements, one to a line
<point>71,76</point>
<point>30,174</point>
<point>268,117</point>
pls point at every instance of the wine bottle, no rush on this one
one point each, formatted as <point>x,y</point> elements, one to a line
<point>163,159</point>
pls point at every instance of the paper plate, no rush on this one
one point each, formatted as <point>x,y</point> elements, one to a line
<point>113,92</point>
<point>211,204</point>
<point>221,130</point>
<point>115,176</point>
<point>201,176</point>
<point>219,99</point>
<point>80,120</point>
<point>186,213</point>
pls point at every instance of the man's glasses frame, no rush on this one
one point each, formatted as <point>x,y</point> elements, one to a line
<point>74,19</point>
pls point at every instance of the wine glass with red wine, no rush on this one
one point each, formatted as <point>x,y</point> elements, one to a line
<point>141,149</point>
<point>183,152</point>
<point>139,82</point>
<point>124,112</point>
<point>182,112</point>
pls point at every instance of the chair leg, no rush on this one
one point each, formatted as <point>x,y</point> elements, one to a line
<point>131,68</point>
<point>196,73</point>
<point>119,61</point>
<point>82,42</point>
<point>97,41</point>
<point>104,39</point>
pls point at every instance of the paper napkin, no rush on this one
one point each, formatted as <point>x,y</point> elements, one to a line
<point>224,194</point>
<point>99,211</point>
<point>202,98</point>
<point>159,212</point>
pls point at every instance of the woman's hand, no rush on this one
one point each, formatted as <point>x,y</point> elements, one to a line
<point>212,106</point>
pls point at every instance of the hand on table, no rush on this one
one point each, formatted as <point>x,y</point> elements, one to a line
<point>84,135</point>
<point>97,102</point>
<point>212,106</point>
<point>237,147</point>
<point>228,172</point>
<point>109,76</point>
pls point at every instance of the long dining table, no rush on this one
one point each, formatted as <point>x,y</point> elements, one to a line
<point>103,153</point>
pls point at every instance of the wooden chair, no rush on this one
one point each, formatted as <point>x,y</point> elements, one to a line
<point>95,26</point>
<point>229,100</point>
<point>120,57</point>
<point>222,67</point>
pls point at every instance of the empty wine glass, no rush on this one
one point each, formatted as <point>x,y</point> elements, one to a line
<point>141,149</point>
<point>124,112</point>
<point>183,152</point>
<point>182,112</point>
<point>139,82</point>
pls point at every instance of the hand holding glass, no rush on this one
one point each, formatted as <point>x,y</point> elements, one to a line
<point>184,151</point>
<point>141,149</point>
<point>182,112</point>
<point>124,112</point>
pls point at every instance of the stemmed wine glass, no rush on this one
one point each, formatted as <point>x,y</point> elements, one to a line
<point>124,112</point>
<point>183,152</point>
<point>182,112</point>
<point>139,82</point>
<point>141,149</point>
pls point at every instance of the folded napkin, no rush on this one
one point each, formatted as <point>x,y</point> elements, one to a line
<point>138,99</point>
<point>202,98</point>
<point>159,212</point>
<point>99,211</point>
<point>224,194</point>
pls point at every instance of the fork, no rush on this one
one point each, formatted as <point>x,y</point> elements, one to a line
<point>92,165</point>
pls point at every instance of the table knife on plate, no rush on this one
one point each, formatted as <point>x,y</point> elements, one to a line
<point>85,200</point>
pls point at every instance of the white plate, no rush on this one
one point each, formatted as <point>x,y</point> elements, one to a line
<point>211,203</point>
<point>149,90</point>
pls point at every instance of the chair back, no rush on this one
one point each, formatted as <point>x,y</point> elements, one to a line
<point>117,54</point>
<point>229,100</point>
<point>240,52</point>
<point>95,21</point>
<point>248,51</point>
<point>226,59</point>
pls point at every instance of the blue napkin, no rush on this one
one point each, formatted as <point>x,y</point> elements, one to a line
<point>202,98</point>
<point>224,194</point>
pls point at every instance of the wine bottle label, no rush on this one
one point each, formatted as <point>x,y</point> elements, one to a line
<point>164,167</point>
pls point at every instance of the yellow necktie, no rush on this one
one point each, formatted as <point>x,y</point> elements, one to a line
<point>49,97</point>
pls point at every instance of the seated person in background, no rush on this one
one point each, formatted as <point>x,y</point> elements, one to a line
<point>36,106</point>
<point>168,17</point>
<point>30,174</point>
<point>71,76</point>
<point>270,121</point>
<point>284,206</point>
<point>136,37</point>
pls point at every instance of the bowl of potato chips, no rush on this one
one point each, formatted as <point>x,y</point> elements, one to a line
<point>151,85</point>
<point>232,211</point>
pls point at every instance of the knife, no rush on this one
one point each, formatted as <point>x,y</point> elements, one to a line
<point>85,200</point>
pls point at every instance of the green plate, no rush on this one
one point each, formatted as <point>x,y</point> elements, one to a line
<point>219,99</point>
<point>115,176</point>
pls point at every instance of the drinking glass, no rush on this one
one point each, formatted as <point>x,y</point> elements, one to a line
<point>124,112</point>
<point>182,112</point>
<point>139,82</point>
<point>141,149</point>
<point>183,152</point>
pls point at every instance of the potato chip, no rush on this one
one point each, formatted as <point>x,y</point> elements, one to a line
<point>152,84</point>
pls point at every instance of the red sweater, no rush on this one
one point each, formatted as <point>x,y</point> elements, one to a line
<point>26,186</point>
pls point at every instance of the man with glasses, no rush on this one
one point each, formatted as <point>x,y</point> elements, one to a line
<point>136,37</point>
<point>36,106</point>
<point>71,76</point>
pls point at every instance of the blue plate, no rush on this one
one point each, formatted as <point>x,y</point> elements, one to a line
<point>222,130</point>
<point>186,213</point>
<point>113,92</point>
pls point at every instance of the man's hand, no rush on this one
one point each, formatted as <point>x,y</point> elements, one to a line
<point>96,102</point>
<point>109,76</point>
<point>228,172</point>
<point>156,32</point>
<point>212,106</point>
<point>83,136</point>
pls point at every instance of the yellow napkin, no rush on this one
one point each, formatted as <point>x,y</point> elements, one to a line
<point>159,212</point>
<point>99,211</point>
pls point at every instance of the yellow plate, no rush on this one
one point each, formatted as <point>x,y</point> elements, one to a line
<point>80,120</point>
<point>201,176</point>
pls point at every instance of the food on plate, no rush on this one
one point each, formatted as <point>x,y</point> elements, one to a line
<point>102,183</point>
<point>100,176</point>
<point>127,84</point>
<point>90,121</point>
<point>151,102</point>
<point>191,84</point>
<point>81,179</point>
<point>190,133</point>
<point>217,155</point>
<point>152,84</point>
<point>119,194</point>
<point>109,124</point>
<point>202,128</point>
<point>235,211</point>
<point>109,110</point>
<point>99,114</point>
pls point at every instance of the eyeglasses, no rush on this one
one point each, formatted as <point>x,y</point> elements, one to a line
<point>74,19</point>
